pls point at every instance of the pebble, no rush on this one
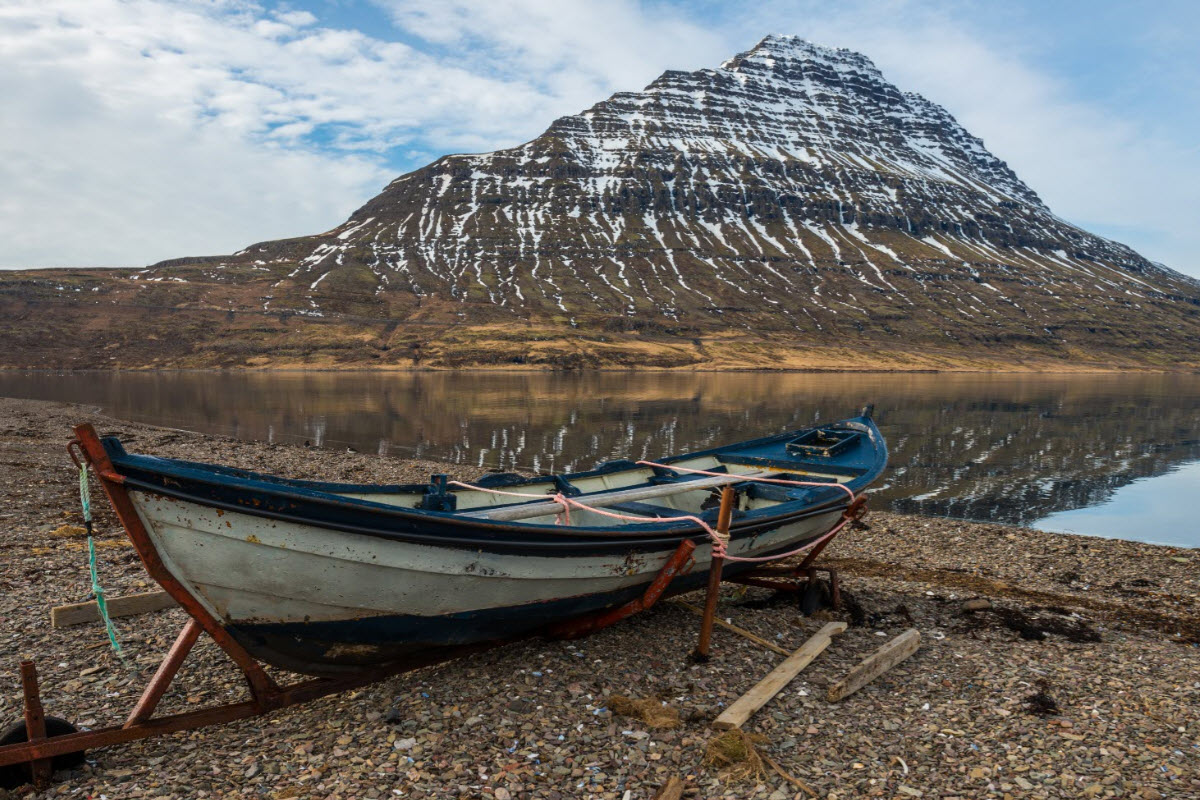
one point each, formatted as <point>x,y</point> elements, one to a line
<point>955,714</point>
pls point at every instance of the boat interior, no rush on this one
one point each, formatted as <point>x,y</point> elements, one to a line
<point>849,455</point>
<point>644,493</point>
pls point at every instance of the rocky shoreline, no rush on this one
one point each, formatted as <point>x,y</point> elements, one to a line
<point>1078,677</point>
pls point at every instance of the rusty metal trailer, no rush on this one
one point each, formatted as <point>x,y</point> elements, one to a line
<point>33,749</point>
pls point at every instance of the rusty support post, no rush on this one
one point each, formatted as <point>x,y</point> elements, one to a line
<point>573,629</point>
<point>35,724</point>
<point>165,673</point>
<point>302,692</point>
<point>762,583</point>
<point>672,569</point>
<point>262,687</point>
<point>724,517</point>
<point>853,514</point>
<point>835,590</point>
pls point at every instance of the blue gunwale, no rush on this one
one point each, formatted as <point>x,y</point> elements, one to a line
<point>320,504</point>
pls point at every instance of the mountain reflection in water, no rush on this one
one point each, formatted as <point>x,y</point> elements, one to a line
<point>1005,448</point>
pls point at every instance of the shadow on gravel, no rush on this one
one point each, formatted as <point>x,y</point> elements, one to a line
<point>1041,703</point>
<point>1036,626</point>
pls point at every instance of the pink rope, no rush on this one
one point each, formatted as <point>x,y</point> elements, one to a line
<point>841,486</point>
<point>557,497</point>
<point>719,544</point>
<point>567,503</point>
<point>824,538</point>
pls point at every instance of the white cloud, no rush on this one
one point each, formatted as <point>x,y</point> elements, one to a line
<point>574,50</point>
<point>147,129</point>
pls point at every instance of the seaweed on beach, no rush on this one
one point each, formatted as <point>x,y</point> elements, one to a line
<point>854,607</point>
<point>1036,627</point>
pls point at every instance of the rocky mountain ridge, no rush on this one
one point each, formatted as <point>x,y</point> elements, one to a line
<point>788,208</point>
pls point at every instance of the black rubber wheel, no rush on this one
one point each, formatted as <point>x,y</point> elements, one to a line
<point>816,596</point>
<point>15,775</point>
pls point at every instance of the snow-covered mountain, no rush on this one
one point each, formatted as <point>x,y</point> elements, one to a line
<point>790,198</point>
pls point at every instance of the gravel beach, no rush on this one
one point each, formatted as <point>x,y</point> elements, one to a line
<point>1078,677</point>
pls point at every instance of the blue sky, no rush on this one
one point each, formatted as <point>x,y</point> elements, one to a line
<point>137,130</point>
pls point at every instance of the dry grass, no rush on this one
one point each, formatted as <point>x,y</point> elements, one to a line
<point>734,754</point>
<point>652,712</point>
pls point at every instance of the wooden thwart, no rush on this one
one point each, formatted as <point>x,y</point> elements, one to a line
<point>739,631</point>
<point>527,510</point>
<point>737,714</point>
<point>129,605</point>
<point>876,664</point>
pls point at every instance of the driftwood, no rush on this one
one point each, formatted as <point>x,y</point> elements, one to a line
<point>787,776</point>
<point>127,606</point>
<point>741,710</point>
<point>739,631</point>
<point>876,664</point>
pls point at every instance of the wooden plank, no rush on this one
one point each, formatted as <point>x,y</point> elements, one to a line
<point>526,510</point>
<point>737,714</point>
<point>876,664</point>
<point>129,605</point>
<point>739,631</point>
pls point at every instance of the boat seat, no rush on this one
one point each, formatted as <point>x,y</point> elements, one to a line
<point>775,492</point>
<point>647,509</point>
<point>663,475</point>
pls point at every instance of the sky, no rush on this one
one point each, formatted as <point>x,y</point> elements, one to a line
<point>138,130</point>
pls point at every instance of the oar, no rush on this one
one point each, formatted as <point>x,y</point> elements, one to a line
<point>600,500</point>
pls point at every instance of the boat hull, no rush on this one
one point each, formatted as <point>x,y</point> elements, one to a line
<point>323,601</point>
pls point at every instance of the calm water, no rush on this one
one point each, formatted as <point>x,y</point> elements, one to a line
<point>1096,454</point>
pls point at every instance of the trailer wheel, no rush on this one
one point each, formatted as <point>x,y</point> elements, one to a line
<point>15,775</point>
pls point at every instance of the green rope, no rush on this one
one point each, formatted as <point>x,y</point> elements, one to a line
<point>85,498</point>
<point>97,590</point>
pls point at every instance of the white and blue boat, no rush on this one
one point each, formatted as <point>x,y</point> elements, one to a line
<point>332,578</point>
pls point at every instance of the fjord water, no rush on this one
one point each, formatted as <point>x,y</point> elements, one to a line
<point>1100,454</point>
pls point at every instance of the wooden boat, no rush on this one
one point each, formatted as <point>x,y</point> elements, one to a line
<point>330,578</point>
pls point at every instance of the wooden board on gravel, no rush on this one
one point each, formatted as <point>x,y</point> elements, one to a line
<point>126,606</point>
<point>737,714</point>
